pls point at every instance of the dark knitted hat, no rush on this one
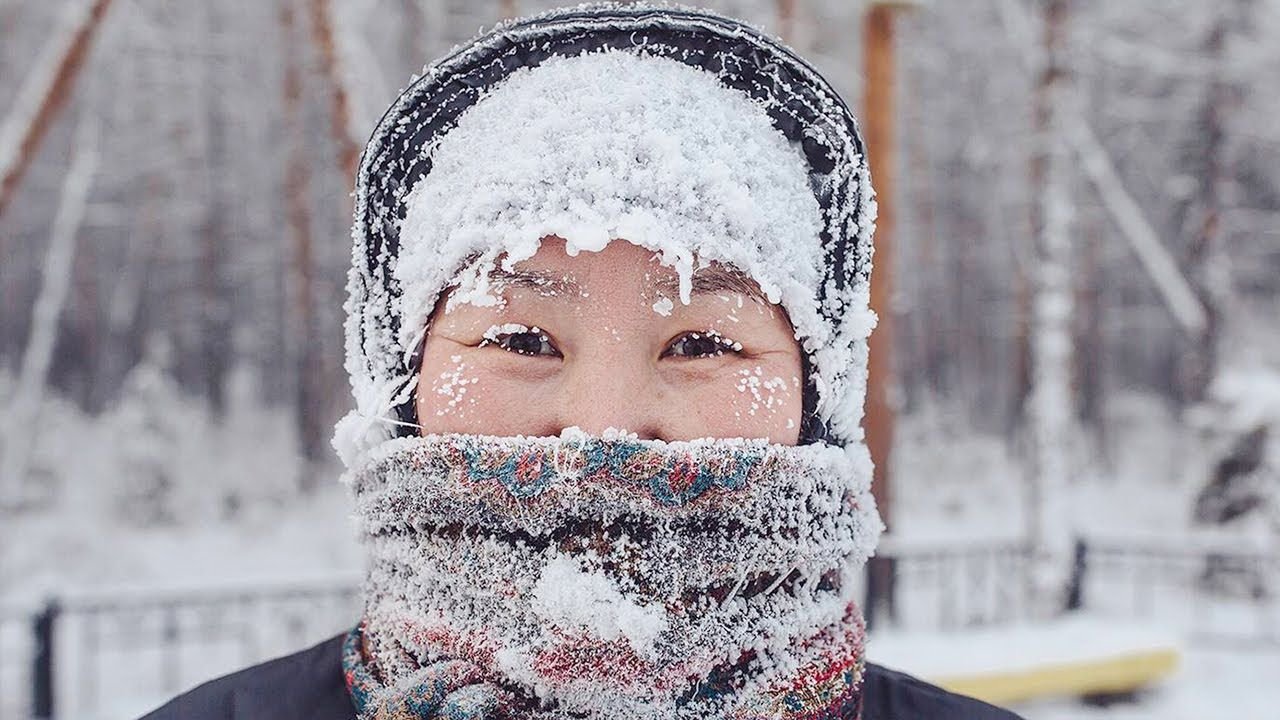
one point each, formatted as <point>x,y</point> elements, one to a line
<point>829,307</point>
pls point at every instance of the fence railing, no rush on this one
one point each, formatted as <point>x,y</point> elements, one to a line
<point>17,653</point>
<point>112,656</point>
<point>946,588</point>
<point>1219,594</point>
<point>1224,595</point>
<point>59,660</point>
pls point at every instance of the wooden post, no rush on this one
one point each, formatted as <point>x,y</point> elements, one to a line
<point>878,122</point>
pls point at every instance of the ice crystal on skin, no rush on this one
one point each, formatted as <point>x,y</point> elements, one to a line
<point>494,332</point>
<point>452,384</point>
<point>664,306</point>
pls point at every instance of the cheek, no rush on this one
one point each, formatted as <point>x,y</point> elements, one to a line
<point>448,389</point>
<point>754,401</point>
<point>461,393</point>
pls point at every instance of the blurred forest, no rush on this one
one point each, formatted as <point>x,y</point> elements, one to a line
<point>178,237</point>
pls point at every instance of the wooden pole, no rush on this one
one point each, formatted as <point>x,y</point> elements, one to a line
<point>878,122</point>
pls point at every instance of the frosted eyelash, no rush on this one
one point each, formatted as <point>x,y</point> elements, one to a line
<point>720,340</point>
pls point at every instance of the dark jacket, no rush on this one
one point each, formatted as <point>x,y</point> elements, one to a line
<point>309,686</point>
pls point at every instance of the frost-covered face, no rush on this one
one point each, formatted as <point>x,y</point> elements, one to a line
<point>601,340</point>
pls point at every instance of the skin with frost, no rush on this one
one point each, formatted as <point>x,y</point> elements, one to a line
<point>543,358</point>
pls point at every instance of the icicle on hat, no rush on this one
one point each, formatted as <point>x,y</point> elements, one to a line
<point>675,129</point>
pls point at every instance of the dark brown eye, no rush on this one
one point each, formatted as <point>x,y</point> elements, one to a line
<point>708,343</point>
<point>531,341</point>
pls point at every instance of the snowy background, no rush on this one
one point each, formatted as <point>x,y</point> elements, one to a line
<point>1085,317</point>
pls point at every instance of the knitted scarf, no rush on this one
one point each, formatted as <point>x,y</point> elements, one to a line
<point>593,577</point>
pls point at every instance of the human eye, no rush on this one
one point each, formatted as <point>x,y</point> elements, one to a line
<point>520,339</point>
<point>705,343</point>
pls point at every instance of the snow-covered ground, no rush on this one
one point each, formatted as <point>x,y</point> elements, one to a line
<point>1234,683</point>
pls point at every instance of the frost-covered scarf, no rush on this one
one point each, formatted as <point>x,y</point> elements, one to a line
<point>610,578</point>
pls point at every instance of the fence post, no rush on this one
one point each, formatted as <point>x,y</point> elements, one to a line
<point>1079,566</point>
<point>44,627</point>
<point>880,572</point>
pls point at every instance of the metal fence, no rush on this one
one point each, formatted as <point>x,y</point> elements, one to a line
<point>946,588</point>
<point>1214,594</point>
<point>118,655</point>
<point>16,661</point>
<point>1225,595</point>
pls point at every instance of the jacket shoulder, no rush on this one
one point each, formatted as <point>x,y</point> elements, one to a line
<point>892,695</point>
<point>307,684</point>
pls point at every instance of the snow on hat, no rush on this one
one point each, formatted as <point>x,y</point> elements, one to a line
<point>679,130</point>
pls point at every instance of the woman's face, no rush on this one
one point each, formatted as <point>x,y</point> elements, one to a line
<point>601,340</point>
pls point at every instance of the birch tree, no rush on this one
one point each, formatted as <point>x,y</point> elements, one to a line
<point>23,413</point>
<point>1050,410</point>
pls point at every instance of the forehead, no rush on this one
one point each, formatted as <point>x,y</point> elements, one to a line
<point>620,265</point>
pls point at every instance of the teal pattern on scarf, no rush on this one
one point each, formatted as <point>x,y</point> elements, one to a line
<point>447,690</point>
<point>529,469</point>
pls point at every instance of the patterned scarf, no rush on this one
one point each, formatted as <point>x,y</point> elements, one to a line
<point>587,577</point>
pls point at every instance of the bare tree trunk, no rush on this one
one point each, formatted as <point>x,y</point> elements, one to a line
<point>1206,262</point>
<point>787,20</point>
<point>1050,405</point>
<point>340,98</point>
<point>306,369</point>
<point>24,406</point>
<point>216,352</point>
<point>43,94</point>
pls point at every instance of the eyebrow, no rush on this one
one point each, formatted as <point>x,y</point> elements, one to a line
<point>713,279</point>
<point>534,280</point>
<point>705,281</point>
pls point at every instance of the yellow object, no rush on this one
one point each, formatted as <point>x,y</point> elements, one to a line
<point>1116,674</point>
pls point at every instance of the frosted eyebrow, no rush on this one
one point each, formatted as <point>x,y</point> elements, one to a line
<point>713,279</point>
<point>536,280</point>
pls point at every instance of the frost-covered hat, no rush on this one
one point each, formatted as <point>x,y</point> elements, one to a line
<point>676,129</point>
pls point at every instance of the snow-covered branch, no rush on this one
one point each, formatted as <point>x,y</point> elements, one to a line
<point>1156,260</point>
<point>1124,210</point>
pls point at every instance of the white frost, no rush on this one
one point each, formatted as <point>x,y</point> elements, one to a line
<point>574,600</point>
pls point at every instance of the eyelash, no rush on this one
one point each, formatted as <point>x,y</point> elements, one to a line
<point>503,340</point>
<point>722,344</point>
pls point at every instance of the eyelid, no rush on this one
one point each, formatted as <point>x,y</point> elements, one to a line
<point>725,343</point>
<point>497,333</point>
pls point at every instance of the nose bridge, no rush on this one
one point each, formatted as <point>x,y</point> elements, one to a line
<point>607,388</point>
